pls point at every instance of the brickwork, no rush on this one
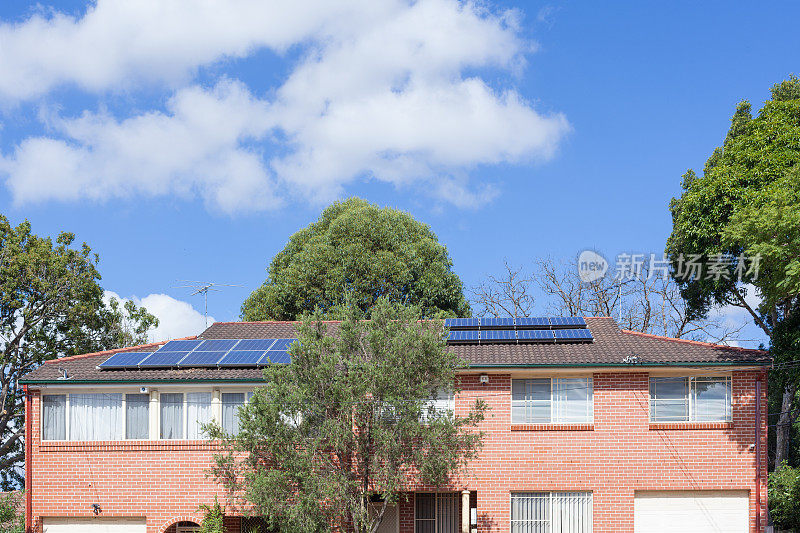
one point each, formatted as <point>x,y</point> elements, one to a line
<point>614,457</point>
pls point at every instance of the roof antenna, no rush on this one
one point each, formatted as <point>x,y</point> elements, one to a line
<point>202,287</point>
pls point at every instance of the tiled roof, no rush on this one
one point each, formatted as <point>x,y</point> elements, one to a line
<point>611,347</point>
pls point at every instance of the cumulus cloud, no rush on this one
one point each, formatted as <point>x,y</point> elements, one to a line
<point>385,90</point>
<point>176,318</point>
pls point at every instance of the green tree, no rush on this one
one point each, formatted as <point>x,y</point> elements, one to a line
<point>213,518</point>
<point>332,437</point>
<point>12,513</point>
<point>746,203</point>
<point>359,251</point>
<point>783,496</point>
<point>51,304</point>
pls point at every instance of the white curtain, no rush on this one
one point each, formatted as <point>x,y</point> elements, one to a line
<point>54,417</point>
<point>137,416</point>
<point>530,401</point>
<point>231,402</point>
<point>172,415</point>
<point>573,400</point>
<point>711,399</point>
<point>95,417</point>
<point>198,412</point>
<point>551,512</point>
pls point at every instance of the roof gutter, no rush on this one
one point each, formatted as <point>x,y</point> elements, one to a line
<point>619,365</point>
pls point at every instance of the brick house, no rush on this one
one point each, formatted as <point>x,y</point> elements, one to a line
<point>590,428</point>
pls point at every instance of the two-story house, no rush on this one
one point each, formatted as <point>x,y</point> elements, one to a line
<point>590,428</point>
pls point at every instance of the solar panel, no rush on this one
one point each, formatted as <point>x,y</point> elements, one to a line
<point>534,335</point>
<point>276,357</point>
<point>499,335</point>
<point>163,359</point>
<point>255,344</point>
<point>282,344</point>
<point>567,322</point>
<point>539,322</point>
<point>124,360</point>
<point>497,323</point>
<point>464,336</point>
<point>202,358</point>
<point>180,346</point>
<point>241,358</point>
<point>217,345</point>
<point>462,323</point>
<point>572,335</point>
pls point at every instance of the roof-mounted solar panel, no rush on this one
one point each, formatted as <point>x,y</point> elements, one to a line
<point>255,344</point>
<point>567,322</point>
<point>534,322</point>
<point>162,359</point>
<point>497,323</point>
<point>462,323</point>
<point>464,336</point>
<point>282,344</point>
<point>275,357</point>
<point>498,335</point>
<point>241,358</point>
<point>201,358</point>
<point>180,346</point>
<point>573,335</point>
<point>526,336</point>
<point>124,360</point>
<point>217,345</point>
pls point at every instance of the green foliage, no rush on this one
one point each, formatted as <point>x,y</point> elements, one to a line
<point>739,202</point>
<point>344,422</point>
<point>12,514</point>
<point>213,519</point>
<point>51,304</point>
<point>784,497</point>
<point>360,252</point>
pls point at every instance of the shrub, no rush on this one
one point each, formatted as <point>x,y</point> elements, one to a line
<point>784,497</point>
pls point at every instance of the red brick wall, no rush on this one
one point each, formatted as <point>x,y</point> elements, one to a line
<point>620,454</point>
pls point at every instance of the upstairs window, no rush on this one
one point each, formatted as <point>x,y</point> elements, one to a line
<point>690,399</point>
<point>552,401</point>
<point>137,416</point>
<point>443,404</point>
<point>171,415</point>
<point>54,417</point>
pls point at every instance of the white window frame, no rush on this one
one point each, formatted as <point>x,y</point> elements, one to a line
<point>548,524</point>
<point>555,420</point>
<point>691,391</point>
<point>154,408</point>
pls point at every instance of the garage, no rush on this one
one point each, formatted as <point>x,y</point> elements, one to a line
<point>95,525</point>
<point>696,511</point>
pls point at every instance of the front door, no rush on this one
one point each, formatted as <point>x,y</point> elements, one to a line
<point>437,512</point>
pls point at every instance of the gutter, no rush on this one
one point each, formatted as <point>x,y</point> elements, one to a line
<point>28,458</point>
<point>620,365</point>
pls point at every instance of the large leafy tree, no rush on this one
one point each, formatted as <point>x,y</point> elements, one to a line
<point>747,204</point>
<point>359,252</point>
<point>334,436</point>
<point>51,305</point>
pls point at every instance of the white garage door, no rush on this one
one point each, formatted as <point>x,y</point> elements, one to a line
<point>691,511</point>
<point>94,525</point>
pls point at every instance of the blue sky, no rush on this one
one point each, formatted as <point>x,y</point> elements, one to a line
<point>183,145</point>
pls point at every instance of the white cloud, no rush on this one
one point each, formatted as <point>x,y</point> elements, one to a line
<point>176,318</point>
<point>732,317</point>
<point>388,90</point>
<point>197,147</point>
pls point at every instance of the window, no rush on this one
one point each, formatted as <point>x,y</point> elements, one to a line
<point>551,512</point>
<point>54,417</point>
<point>552,401</point>
<point>437,513</point>
<point>198,412</point>
<point>171,415</point>
<point>96,417</point>
<point>137,416</point>
<point>690,399</point>
<point>231,402</point>
<point>442,404</point>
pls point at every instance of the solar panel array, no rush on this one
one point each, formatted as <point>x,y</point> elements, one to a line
<point>524,330</point>
<point>211,353</point>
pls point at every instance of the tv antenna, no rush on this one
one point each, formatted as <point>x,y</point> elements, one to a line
<point>202,287</point>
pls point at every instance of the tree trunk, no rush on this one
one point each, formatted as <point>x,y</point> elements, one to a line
<point>784,427</point>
